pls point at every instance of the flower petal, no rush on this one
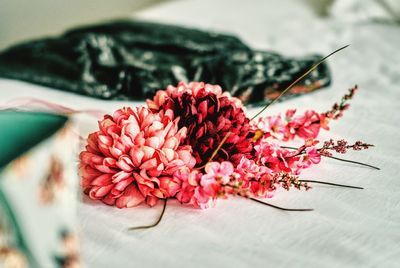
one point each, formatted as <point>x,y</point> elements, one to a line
<point>130,198</point>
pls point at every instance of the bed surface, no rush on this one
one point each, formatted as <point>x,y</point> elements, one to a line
<point>349,228</point>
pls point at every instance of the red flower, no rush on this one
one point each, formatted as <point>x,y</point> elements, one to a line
<point>209,115</point>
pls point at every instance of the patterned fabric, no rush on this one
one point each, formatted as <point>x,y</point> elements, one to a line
<point>37,202</point>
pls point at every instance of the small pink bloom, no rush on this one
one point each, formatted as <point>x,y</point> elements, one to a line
<point>289,114</point>
<point>272,126</point>
<point>220,171</point>
<point>257,179</point>
<point>305,126</point>
<point>191,191</point>
<point>310,157</point>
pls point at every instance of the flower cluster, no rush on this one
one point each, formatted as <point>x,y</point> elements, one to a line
<point>194,142</point>
<point>305,126</point>
<point>342,146</point>
<point>283,160</point>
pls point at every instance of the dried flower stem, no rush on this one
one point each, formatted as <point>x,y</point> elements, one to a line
<point>340,159</point>
<point>154,224</point>
<point>333,184</point>
<point>219,147</point>
<point>298,80</point>
<point>353,162</point>
<point>341,146</point>
<point>337,110</point>
<point>280,208</point>
<point>216,150</point>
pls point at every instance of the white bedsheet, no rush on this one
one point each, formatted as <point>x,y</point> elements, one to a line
<point>349,228</point>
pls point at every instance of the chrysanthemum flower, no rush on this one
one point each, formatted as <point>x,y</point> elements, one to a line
<point>209,116</point>
<point>132,157</point>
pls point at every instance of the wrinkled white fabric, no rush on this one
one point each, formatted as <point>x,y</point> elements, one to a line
<point>366,10</point>
<point>349,228</point>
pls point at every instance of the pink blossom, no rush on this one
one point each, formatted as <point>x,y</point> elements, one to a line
<point>257,179</point>
<point>309,157</point>
<point>272,156</point>
<point>272,126</point>
<point>306,126</point>
<point>192,192</point>
<point>220,171</point>
<point>201,190</point>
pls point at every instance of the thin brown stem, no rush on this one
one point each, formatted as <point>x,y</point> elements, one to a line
<point>348,146</point>
<point>353,162</point>
<point>333,184</point>
<point>154,224</point>
<point>339,159</point>
<point>288,147</point>
<point>280,208</point>
<point>219,146</point>
<point>297,80</point>
<point>216,150</point>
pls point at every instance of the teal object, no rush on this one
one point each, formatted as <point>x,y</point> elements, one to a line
<point>33,191</point>
<point>20,131</point>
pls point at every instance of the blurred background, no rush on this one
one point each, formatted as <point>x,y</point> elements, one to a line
<point>26,19</point>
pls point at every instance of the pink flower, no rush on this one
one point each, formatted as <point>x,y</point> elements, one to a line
<point>201,190</point>
<point>248,169</point>
<point>307,126</point>
<point>311,156</point>
<point>220,171</point>
<point>276,158</point>
<point>191,191</point>
<point>257,179</point>
<point>271,126</point>
<point>133,156</point>
<point>265,186</point>
<point>217,176</point>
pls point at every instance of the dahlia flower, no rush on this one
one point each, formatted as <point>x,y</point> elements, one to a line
<point>209,116</point>
<point>132,157</point>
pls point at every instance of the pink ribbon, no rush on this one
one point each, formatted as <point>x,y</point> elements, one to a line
<point>33,104</point>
